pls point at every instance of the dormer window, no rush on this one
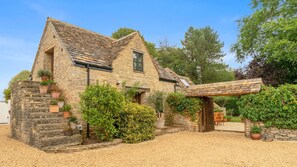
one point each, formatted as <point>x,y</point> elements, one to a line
<point>137,61</point>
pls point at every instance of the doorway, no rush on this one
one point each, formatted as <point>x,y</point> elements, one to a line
<point>49,61</point>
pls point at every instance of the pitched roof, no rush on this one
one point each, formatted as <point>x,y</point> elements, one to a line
<point>91,48</point>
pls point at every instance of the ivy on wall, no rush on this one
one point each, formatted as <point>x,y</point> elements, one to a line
<point>275,107</point>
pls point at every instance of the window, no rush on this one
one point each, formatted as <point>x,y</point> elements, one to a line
<point>137,61</point>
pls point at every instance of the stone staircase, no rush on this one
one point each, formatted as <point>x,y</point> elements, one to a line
<point>44,129</point>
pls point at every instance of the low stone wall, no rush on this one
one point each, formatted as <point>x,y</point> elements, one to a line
<point>271,134</point>
<point>189,125</point>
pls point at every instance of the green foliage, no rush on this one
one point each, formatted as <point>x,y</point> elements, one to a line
<point>67,107</point>
<point>269,34</point>
<point>100,105</point>
<point>204,54</point>
<point>54,102</point>
<point>43,72</point>
<point>130,92</point>
<point>156,100</point>
<point>72,119</point>
<point>22,76</point>
<point>183,105</point>
<point>136,123</point>
<point>256,129</point>
<point>230,102</point>
<point>275,107</point>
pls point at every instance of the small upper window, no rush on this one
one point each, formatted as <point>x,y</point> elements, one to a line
<point>137,61</point>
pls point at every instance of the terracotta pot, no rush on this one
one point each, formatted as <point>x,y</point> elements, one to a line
<point>255,136</point>
<point>61,104</point>
<point>44,78</point>
<point>160,123</point>
<point>54,108</point>
<point>43,89</point>
<point>66,114</point>
<point>55,94</point>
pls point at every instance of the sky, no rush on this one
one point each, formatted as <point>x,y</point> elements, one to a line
<point>22,24</point>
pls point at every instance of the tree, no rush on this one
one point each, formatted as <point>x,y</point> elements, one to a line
<point>172,57</point>
<point>203,56</point>
<point>22,76</point>
<point>269,35</point>
<point>122,32</point>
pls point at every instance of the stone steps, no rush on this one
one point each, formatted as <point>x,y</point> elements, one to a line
<point>36,115</point>
<point>51,126</point>
<point>50,133</point>
<point>40,109</point>
<point>60,140</point>
<point>48,120</point>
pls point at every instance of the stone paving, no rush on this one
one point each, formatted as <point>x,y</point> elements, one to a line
<point>230,127</point>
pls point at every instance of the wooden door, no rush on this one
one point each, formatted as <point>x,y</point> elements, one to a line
<point>206,117</point>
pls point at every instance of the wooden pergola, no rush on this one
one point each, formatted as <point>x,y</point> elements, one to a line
<point>206,91</point>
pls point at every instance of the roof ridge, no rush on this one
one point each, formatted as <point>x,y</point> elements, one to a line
<point>72,25</point>
<point>135,32</point>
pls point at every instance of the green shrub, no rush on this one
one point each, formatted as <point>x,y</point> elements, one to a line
<point>54,102</point>
<point>100,106</point>
<point>72,119</point>
<point>183,105</point>
<point>230,102</point>
<point>256,129</point>
<point>275,107</point>
<point>67,107</point>
<point>43,72</point>
<point>136,123</point>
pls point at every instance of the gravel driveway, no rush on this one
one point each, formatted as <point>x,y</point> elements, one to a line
<point>180,149</point>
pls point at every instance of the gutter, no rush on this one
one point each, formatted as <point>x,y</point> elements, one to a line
<point>168,80</point>
<point>92,66</point>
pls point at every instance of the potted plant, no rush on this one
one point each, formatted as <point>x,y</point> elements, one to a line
<point>66,111</point>
<point>156,100</point>
<point>55,91</point>
<point>54,106</point>
<point>44,74</point>
<point>68,132</point>
<point>72,122</point>
<point>61,101</point>
<point>256,132</point>
<point>43,88</point>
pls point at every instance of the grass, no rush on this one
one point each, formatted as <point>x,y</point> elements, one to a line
<point>235,119</point>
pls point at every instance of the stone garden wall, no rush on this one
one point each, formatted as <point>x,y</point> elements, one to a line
<point>271,134</point>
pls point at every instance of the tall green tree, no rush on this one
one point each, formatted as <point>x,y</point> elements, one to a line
<point>203,56</point>
<point>121,32</point>
<point>22,76</point>
<point>269,34</point>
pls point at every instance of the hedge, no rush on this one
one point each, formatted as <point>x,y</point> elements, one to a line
<point>136,123</point>
<point>275,107</point>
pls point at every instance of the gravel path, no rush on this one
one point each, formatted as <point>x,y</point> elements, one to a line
<point>180,149</point>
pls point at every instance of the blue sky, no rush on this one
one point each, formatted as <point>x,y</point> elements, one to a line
<point>22,23</point>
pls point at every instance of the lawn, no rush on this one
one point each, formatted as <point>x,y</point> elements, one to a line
<point>235,119</point>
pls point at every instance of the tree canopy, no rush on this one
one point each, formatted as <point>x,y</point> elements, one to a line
<point>22,76</point>
<point>269,35</point>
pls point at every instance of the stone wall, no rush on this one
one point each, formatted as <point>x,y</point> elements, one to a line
<point>21,106</point>
<point>272,133</point>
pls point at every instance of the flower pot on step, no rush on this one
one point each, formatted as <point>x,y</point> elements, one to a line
<point>54,108</point>
<point>44,78</point>
<point>160,123</point>
<point>66,114</point>
<point>43,89</point>
<point>61,104</point>
<point>55,94</point>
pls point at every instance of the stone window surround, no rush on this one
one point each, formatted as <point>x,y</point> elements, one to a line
<point>138,53</point>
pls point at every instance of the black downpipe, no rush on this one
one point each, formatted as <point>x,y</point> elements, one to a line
<point>88,83</point>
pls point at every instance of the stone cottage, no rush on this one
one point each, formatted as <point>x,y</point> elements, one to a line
<point>78,57</point>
